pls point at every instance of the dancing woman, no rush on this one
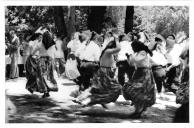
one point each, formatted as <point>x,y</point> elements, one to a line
<point>105,88</point>
<point>59,56</point>
<point>14,55</point>
<point>140,89</point>
<point>39,67</point>
<point>182,93</point>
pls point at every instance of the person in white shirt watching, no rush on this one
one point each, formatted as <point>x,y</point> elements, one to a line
<point>159,63</point>
<point>59,55</point>
<point>89,59</point>
<point>122,64</point>
<point>174,50</point>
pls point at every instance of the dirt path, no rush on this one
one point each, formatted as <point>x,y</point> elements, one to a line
<point>59,108</point>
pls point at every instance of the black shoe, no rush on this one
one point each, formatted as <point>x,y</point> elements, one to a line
<point>46,95</point>
<point>54,89</point>
<point>30,90</point>
<point>104,106</point>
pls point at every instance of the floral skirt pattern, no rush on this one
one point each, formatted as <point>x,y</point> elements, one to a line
<point>141,88</point>
<point>105,88</point>
<point>39,74</point>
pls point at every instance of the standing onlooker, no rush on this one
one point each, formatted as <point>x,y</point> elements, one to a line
<point>72,63</point>
<point>159,63</point>
<point>122,64</point>
<point>59,56</point>
<point>26,49</point>
<point>174,70</point>
<point>64,47</point>
<point>14,55</point>
<point>83,40</point>
<point>74,44</point>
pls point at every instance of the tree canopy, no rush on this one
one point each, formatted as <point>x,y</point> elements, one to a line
<point>163,20</point>
<point>153,19</point>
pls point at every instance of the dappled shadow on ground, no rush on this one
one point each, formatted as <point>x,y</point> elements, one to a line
<point>120,114</point>
<point>33,109</point>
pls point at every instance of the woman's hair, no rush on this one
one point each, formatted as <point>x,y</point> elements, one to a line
<point>81,38</point>
<point>158,39</point>
<point>121,38</point>
<point>47,40</point>
<point>93,36</point>
<point>139,46</point>
<point>111,44</point>
<point>58,35</point>
<point>34,36</point>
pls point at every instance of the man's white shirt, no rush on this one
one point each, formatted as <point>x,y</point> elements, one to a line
<point>158,58</point>
<point>73,45</point>
<point>92,52</point>
<point>125,48</point>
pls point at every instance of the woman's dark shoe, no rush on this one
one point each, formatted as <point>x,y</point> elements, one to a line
<point>30,90</point>
<point>54,89</point>
<point>77,101</point>
<point>46,95</point>
<point>104,106</point>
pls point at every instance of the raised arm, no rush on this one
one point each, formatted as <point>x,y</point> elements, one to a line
<point>116,49</point>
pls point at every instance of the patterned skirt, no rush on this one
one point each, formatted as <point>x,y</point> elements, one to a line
<point>141,88</point>
<point>182,94</point>
<point>39,74</point>
<point>60,65</point>
<point>105,88</point>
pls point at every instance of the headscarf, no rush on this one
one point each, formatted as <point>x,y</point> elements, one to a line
<point>139,46</point>
<point>47,40</point>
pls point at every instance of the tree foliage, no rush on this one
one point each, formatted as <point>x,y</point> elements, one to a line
<point>154,19</point>
<point>163,19</point>
<point>28,16</point>
<point>23,18</point>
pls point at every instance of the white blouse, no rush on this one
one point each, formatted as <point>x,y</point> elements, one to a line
<point>158,58</point>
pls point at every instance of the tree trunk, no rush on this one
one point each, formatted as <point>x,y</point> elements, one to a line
<point>129,19</point>
<point>96,18</point>
<point>59,20</point>
<point>117,14</point>
<point>71,21</point>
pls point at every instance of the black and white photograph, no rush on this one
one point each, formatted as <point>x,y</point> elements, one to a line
<point>97,64</point>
